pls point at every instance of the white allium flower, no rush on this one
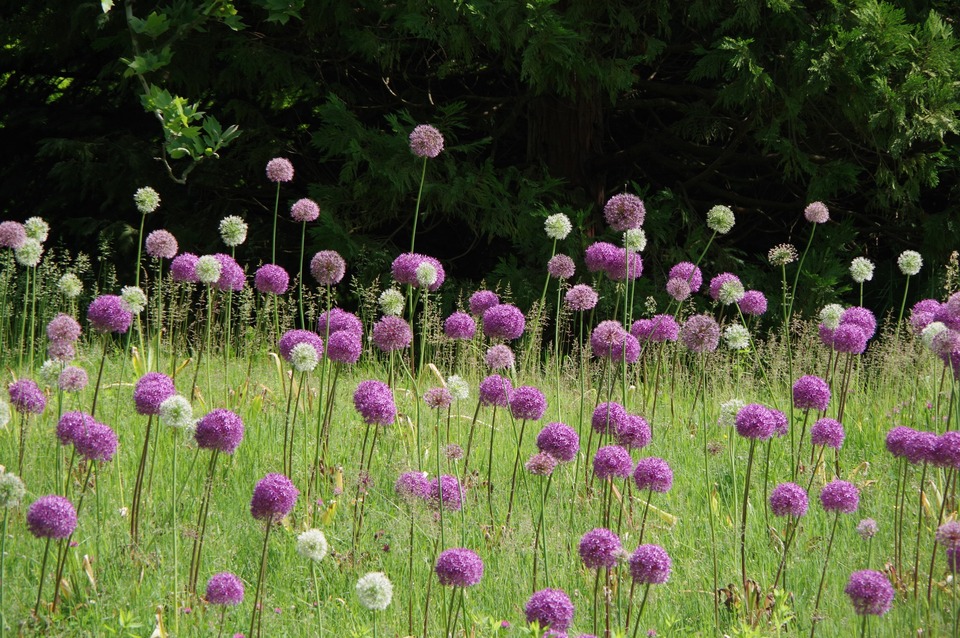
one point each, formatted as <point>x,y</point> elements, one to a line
<point>233,230</point>
<point>557,226</point>
<point>375,591</point>
<point>4,413</point>
<point>830,315</point>
<point>146,199</point>
<point>730,292</point>
<point>720,219</point>
<point>134,299</point>
<point>910,262</point>
<point>728,412</point>
<point>391,302</point>
<point>861,269</point>
<point>635,240</point>
<point>70,286</point>
<point>782,254</point>
<point>208,269</point>
<point>737,337</point>
<point>176,412</point>
<point>12,490</point>
<point>426,274</point>
<point>458,387</point>
<point>50,372</point>
<point>29,253</point>
<point>304,357</point>
<point>312,545</point>
<point>930,333</point>
<point>37,229</point>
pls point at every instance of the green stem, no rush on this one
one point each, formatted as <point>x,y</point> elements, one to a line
<point>416,212</point>
<point>273,259</point>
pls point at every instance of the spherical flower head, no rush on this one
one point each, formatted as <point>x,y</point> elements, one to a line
<point>338,319</point>
<point>810,392</point>
<point>559,441</point>
<point>27,397</point>
<point>4,413</point>
<point>305,210</point>
<point>788,499</point>
<point>827,432</point>
<point>411,486</point>
<point>947,451</point>
<point>700,333</point>
<point>273,498</point>
<point>689,273</point>
<point>910,262</point>
<point>830,315</point>
<point>36,228</point>
<point>392,333</point>
<point>146,200</point>
<point>312,545</point>
<point>736,336</point>
<point>496,390</point>
<point>617,267</point>
<point>867,528</point>
<point>49,372</point>
<point>161,244</point>
<point>375,591</point>
<point>279,169</point>
<point>557,226</point>
<point>184,268</point>
<point>724,278</point>
<point>176,412</point>
<point>580,297</point>
<point>634,240</point>
<point>948,535</point>
<point>328,267</point>
<point>657,329</point>
<point>97,442</point>
<point>220,430</point>
<point>232,276</point>
<point>452,452</point>
<point>12,490</point>
<point>896,440</point>
<point>304,357</point>
<point>72,379</point>
<point>870,592</point>
<point>12,234</point>
<point>728,412</point>
<point>70,286</point>
<point>608,336</point>
<point>624,211</point>
<point>233,230</point>
<point>550,608</point>
<point>782,254</point>
<point>224,589</point>
<point>458,386</point>
<point>923,314</point>
<point>860,317</point>
<point>374,401</point>
<point>504,321</point>
<point>816,213</point>
<point>344,346</point>
<point>61,351</point>
<point>151,390</point>
<point>754,421</point>
<point>781,425</point>
<point>28,253</point>
<point>650,565</point>
<point>438,398</point>
<point>840,496</point>
<point>292,338</point>
<point>134,298</point>
<point>678,289</point>
<point>208,269</point>
<point>271,279</point>
<point>63,328</point>
<point>941,340</point>
<point>51,517</point>
<point>850,338</point>
<point>561,267</point>
<point>481,301</point>
<point>599,548</point>
<point>540,464</point>
<point>752,303</point>
<point>608,417</point>
<point>612,461</point>
<point>599,255</point>
<point>527,402</point>
<point>426,141</point>
<point>391,302</point>
<point>71,424</point>
<point>459,325</point>
<point>730,292</point>
<point>653,474</point>
<point>861,269</point>
<point>459,567</point>
<point>921,448</point>
<point>445,490</point>
<point>634,433</point>
<point>720,219</point>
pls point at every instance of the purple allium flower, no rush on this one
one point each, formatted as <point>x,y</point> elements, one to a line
<point>624,211</point>
<point>220,429</point>
<point>896,441</point>
<point>499,357</point>
<point>658,329</point>
<point>527,402</point>
<point>781,425</point>
<point>810,392</point>
<point>446,490</point>
<point>561,267</point>
<point>232,277</point>
<point>51,517</point>
<point>862,318</point>
<point>599,255</point>
<point>96,442</point>
<point>678,289</point>
<point>948,535</point>
<point>151,390</point>
<point>459,567</point>
<point>62,351</point>
<point>72,379</point>
<point>689,273</point>
<point>328,267</point>
<point>947,451</point>
<point>459,325</point>
<point>867,528</point>
<point>273,497</point>
<point>608,336</point>
<point>540,464</point>
<point>337,319</point>
<point>559,441</point>
<point>344,346</point>
<point>26,396</point>
<point>271,279</point>
<point>392,333</point>
<point>921,447</point>
<point>504,321</point>
<point>184,268</point>
<point>161,244</point>
<point>788,499</point>
<point>411,486</point>
<point>634,433</point>
<point>437,398</point>
<point>617,266</point>
<point>452,452</point>
<point>754,421</point>
<point>550,608</point>
<point>700,333</point>
<point>426,141</point>
<point>717,282</point>
<point>63,328</point>
<point>840,496</point>
<point>827,432</point>
<point>650,565</point>
<point>481,301</point>
<point>291,338</point>
<point>753,302</point>
<point>923,314</point>
<point>279,169</point>
<point>599,548</point>
<point>608,417</point>
<point>224,589</point>
<point>612,461</point>
<point>304,210</point>
<point>496,390</point>
<point>849,338</point>
<point>374,401</point>
<point>948,314</point>
<point>404,270</point>
<point>72,424</point>
<point>108,313</point>
<point>653,474</point>
<point>580,297</point>
<point>12,235</point>
<point>629,347</point>
<point>816,213</point>
<point>870,592</point>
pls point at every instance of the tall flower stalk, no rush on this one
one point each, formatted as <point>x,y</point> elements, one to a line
<point>279,170</point>
<point>425,142</point>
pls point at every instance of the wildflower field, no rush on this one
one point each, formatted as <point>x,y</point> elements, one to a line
<point>223,447</point>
